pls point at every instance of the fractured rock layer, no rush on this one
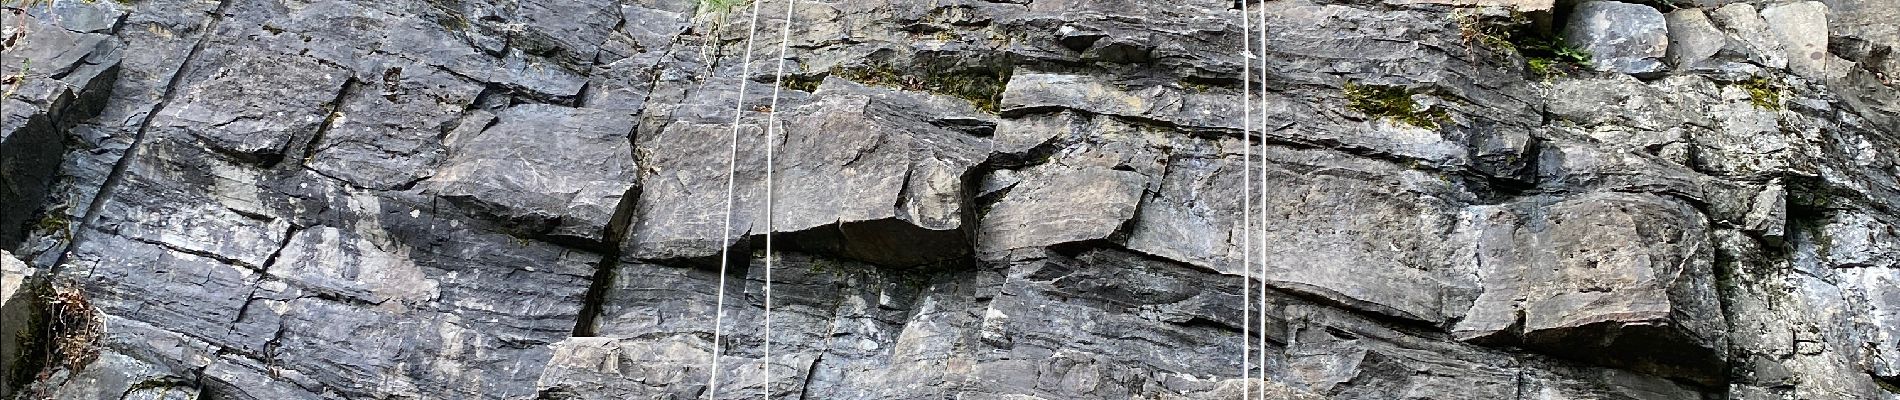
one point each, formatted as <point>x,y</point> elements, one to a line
<point>977,199</point>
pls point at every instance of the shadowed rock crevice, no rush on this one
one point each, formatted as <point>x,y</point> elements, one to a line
<point>616,231</point>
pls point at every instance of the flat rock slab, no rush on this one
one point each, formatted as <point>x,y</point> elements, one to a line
<point>551,170</point>
<point>387,135</point>
<point>1750,35</point>
<point>246,115</point>
<point>1061,205</point>
<point>1802,29</point>
<point>1693,38</point>
<point>1316,221</point>
<point>1621,37</point>
<point>1604,273</point>
<point>859,172</point>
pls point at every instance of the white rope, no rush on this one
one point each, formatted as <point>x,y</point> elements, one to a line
<point>732,163</point>
<point>1246,207</point>
<point>771,122</point>
<point>1263,197</point>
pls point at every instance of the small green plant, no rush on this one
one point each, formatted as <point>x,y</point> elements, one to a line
<point>1551,57</point>
<point>1763,92</point>
<point>13,82</point>
<point>1544,55</point>
<point>1392,102</point>
<point>1197,86</point>
<point>1541,66</point>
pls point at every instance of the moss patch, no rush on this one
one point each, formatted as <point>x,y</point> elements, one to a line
<point>802,83</point>
<point>1763,92</point>
<point>1393,102</point>
<point>1550,57</point>
<point>983,88</point>
<point>55,223</point>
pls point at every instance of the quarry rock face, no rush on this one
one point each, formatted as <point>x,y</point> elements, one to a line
<point>571,199</point>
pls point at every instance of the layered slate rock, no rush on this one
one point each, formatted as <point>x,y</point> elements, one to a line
<point>53,78</point>
<point>1315,243</point>
<point>906,173</point>
<point>1061,204</point>
<point>1144,317</point>
<point>1620,37</point>
<point>1340,355</point>
<point>544,169</point>
<point>838,327</point>
<point>1582,277</point>
<point>386,132</point>
<point>224,101</point>
<point>971,199</point>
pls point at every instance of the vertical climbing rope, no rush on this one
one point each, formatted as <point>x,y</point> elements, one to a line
<point>1246,207</point>
<point>732,163</point>
<point>1263,196</point>
<point>771,122</point>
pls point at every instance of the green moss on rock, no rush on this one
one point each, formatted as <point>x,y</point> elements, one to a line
<point>1763,92</point>
<point>1393,102</point>
<point>983,88</point>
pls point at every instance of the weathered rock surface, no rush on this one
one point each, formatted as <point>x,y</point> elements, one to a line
<point>544,170</point>
<point>1621,37</point>
<point>966,199</point>
<point>1584,277</point>
<point>1802,29</point>
<point>52,77</point>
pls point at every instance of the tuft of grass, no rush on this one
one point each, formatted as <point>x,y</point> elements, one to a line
<point>720,5</point>
<point>1763,92</point>
<point>72,326</point>
<point>1545,55</point>
<point>983,88</point>
<point>1492,32</point>
<point>1392,102</point>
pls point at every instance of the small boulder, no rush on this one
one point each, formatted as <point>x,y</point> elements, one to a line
<point>1749,35</point>
<point>1602,274</point>
<point>1693,39</point>
<point>1802,30</point>
<point>1621,37</point>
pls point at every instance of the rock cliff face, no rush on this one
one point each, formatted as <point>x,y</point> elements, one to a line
<point>972,199</point>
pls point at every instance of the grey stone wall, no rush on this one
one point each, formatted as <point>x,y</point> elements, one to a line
<point>272,199</point>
